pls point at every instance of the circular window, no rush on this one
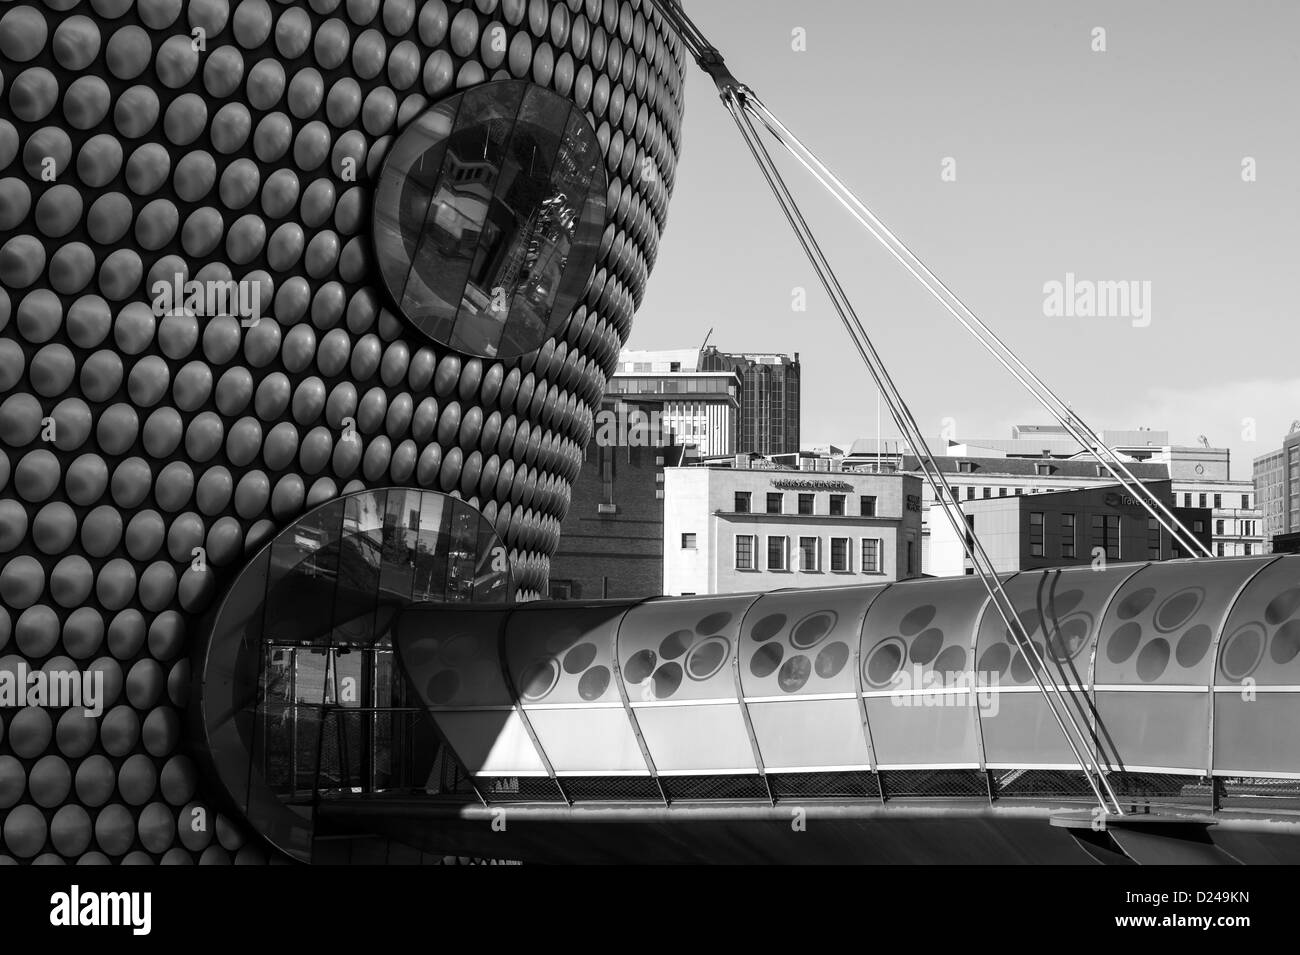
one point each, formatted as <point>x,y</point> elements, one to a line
<point>488,215</point>
<point>322,603</point>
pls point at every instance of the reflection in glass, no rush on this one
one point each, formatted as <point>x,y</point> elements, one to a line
<point>430,559</point>
<point>333,710</point>
<point>490,256</point>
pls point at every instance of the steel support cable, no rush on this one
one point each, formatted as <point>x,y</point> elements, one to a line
<point>711,61</point>
<point>733,99</point>
<point>971,322</point>
<point>733,92</point>
<point>1051,402</point>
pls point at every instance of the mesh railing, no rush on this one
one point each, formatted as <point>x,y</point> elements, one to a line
<point>934,784</point>
<point>691,788</point>
<point>1136,790</point>
<point>611,789</point>
<point>498,789</point>
<point>850,785</point>
<point>1041,784</point>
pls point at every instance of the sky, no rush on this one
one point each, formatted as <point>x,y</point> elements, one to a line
<point>1123,165</point>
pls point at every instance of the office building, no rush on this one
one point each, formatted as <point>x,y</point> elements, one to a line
<point>1277,486</point>
<point>1201,474</point>
<point>1044,458</point>
<point>1200,479</point>
<point>723,403</point>
<point>1087,526</point>
<point>986,478</point>
<point>700,408</point>
<point>737,529</point>
<point>769,398</point>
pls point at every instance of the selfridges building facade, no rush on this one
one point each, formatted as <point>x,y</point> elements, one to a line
<point>318,295</point>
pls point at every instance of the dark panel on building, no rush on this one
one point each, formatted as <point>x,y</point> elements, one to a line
<point>769,398</point>
<point>1106,517</point>
<point>611,540</point>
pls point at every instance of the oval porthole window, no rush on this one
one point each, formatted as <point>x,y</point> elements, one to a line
<point>488,216</point>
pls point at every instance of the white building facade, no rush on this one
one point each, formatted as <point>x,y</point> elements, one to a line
<point>735,530</point>
<point>700,408</point>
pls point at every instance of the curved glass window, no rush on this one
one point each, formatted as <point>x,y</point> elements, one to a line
<point>302,693</point>
<point>488,216</point>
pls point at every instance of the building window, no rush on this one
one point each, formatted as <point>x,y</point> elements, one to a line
<point>871,556</point>
<point>1220,548</point>
<point>1002,492</point>
<point>867,504</point>
<point>742,502</point>
<point>1067,536</point>
<point>988,492</point>
<point>1218,501</point>
<point>1198,527</point>
<point>1101,470</point>
<point>1218,527</point>
<point>776,553</point>
<point>496,192</point>
<point>1036,533</point>
<point>1187,499</point>
<point>840,555</point>
<point>837,505</point>
<point>1019,491</point>
<point>805,503</point>
<point>1245,502</point>
<point>744,552</point>
<point>1105,534</point>
<point>1247,545</point>
<point>966,467</point>
<point>1153,538</point>
<point>808,547</point>
<point>1042,470</point>
<point>970,494</point>
<point>775,503</point>
<point>688,542</point>
<point>1202,500</point>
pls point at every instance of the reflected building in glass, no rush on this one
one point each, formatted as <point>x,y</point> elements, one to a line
<point>302,692</point>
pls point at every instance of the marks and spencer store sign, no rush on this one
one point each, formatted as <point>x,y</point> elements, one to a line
<point>791,485</point>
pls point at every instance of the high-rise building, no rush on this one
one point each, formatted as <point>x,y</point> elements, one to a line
<point>313,309</point>
<point>769,398</point>
<point>1277,487</point>
<point>700,408</point>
